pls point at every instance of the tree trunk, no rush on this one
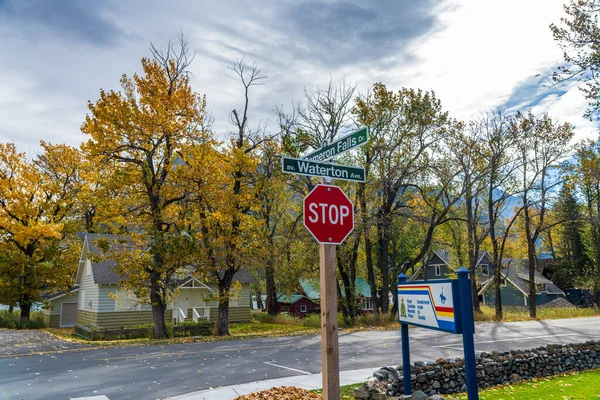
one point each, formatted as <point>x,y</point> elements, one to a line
<point>158,306</point>
<point>271,290</point>
<point>368,247</point>
<point>384,244</point>
<point>224,286</point>
<point>259,302</point>
<point>371,273</point>
<point>498,293</point>
<point>11,309</point>
<point>25,305</point>
<point>473,246</point>
<point>223,323</point>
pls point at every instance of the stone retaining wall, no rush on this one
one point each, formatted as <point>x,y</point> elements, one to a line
<point>446,376</point>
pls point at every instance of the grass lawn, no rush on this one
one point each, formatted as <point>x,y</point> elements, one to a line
<point>513,314</point>
<point>346,392</point>
<point>583,385</point>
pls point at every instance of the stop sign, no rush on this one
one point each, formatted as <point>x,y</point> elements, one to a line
<point>328,214</point>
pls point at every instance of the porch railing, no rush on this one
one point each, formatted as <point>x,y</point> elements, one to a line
<point>200,313</point>
<point>178,315</point>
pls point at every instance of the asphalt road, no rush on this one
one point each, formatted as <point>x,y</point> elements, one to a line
<point>156,372</point>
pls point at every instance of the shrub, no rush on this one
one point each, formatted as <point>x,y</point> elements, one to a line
<point>14,321</point>
<point>281,319</point>
<point>312,321</point>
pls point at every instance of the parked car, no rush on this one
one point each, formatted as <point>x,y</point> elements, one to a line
<point>580,297</point>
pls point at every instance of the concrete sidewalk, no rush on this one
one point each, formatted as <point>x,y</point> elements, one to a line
<point>308,382</point>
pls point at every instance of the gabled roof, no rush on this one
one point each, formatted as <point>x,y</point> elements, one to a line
<point>104,271</point>
<point>362,287</point>
<point>310,287</point>
<point>58,295</point>
<point>290,299</point>
<point>442,254</point>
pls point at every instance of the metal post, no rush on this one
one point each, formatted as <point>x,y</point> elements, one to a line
<point>405,347</point>
<point>466,311</point>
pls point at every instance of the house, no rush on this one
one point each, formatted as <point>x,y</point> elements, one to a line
<point>101,302</point>
<point>436,266</point>
<point>514,288</point>
<point>515,282</point>
<point>311,291</point>
<point>296,304</point>
<point>60,309</point>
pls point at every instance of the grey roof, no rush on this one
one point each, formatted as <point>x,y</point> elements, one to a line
<point>104,271</point>
<point>50,296</point>
<point>444,255</point>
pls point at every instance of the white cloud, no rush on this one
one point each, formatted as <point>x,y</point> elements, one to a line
<point>473,53</point>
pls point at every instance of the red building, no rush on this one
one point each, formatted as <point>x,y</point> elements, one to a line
<point>296,305</point>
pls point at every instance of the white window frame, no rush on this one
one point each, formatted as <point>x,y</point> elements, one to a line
<point>438,270</point>
<point>367,303</point>
<point>303,308</point>
<point>485,272</point>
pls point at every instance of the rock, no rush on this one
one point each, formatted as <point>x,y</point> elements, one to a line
<point>463,388</point>
<point>436,385</point>
<point>418,395</point>
<point>436,397</point>
<point>419,363</point>
<point>362,393</point>
<point>515,378</point>
<point>393,373</point>
<point>422,378</point>
<point>378,396</point>
<point>381,374</point>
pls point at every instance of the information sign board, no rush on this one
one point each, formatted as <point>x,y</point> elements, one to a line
<point>430,304</point>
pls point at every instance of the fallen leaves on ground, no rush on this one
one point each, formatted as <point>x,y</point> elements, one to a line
<point>282,393</point>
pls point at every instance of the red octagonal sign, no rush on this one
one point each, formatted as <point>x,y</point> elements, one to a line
<point>328,214</point>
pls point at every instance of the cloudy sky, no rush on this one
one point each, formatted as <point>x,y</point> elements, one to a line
<point>476,55</point>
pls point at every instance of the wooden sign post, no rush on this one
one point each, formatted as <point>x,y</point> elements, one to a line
<point>329,324</point>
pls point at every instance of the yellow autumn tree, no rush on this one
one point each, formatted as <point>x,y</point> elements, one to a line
<point>143,130</point>
<point>37,198</point>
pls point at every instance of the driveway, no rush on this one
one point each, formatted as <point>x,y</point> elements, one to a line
<point>29,342</point>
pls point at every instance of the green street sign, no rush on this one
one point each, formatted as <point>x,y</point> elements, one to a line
<point>355,139</point>
<point>313,168</point>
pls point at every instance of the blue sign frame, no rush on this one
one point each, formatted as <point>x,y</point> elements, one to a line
<point>455,299</point>
<point>464,324</point>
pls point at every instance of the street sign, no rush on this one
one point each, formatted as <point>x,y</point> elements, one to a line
<point>348,142</point>
<point>429,304</point>
<point>313,168</point>
<point>328,214</point>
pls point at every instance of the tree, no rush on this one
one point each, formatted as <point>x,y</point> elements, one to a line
<point>579,38</point>
<point>36,203</point>
<point>142,130</point>
<point>574,266</point>
<point>588,182</point>
<point>498,149</point>
<point>409,124</point>
<point>541,145</point>
<point>466,148</point>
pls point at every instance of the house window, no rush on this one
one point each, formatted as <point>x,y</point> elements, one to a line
<point>485,269</point>
<point>285,309</point>
<point>302,308</point>
<point>367,303</point>
<point>438,270</point>
<point>540,287</point>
